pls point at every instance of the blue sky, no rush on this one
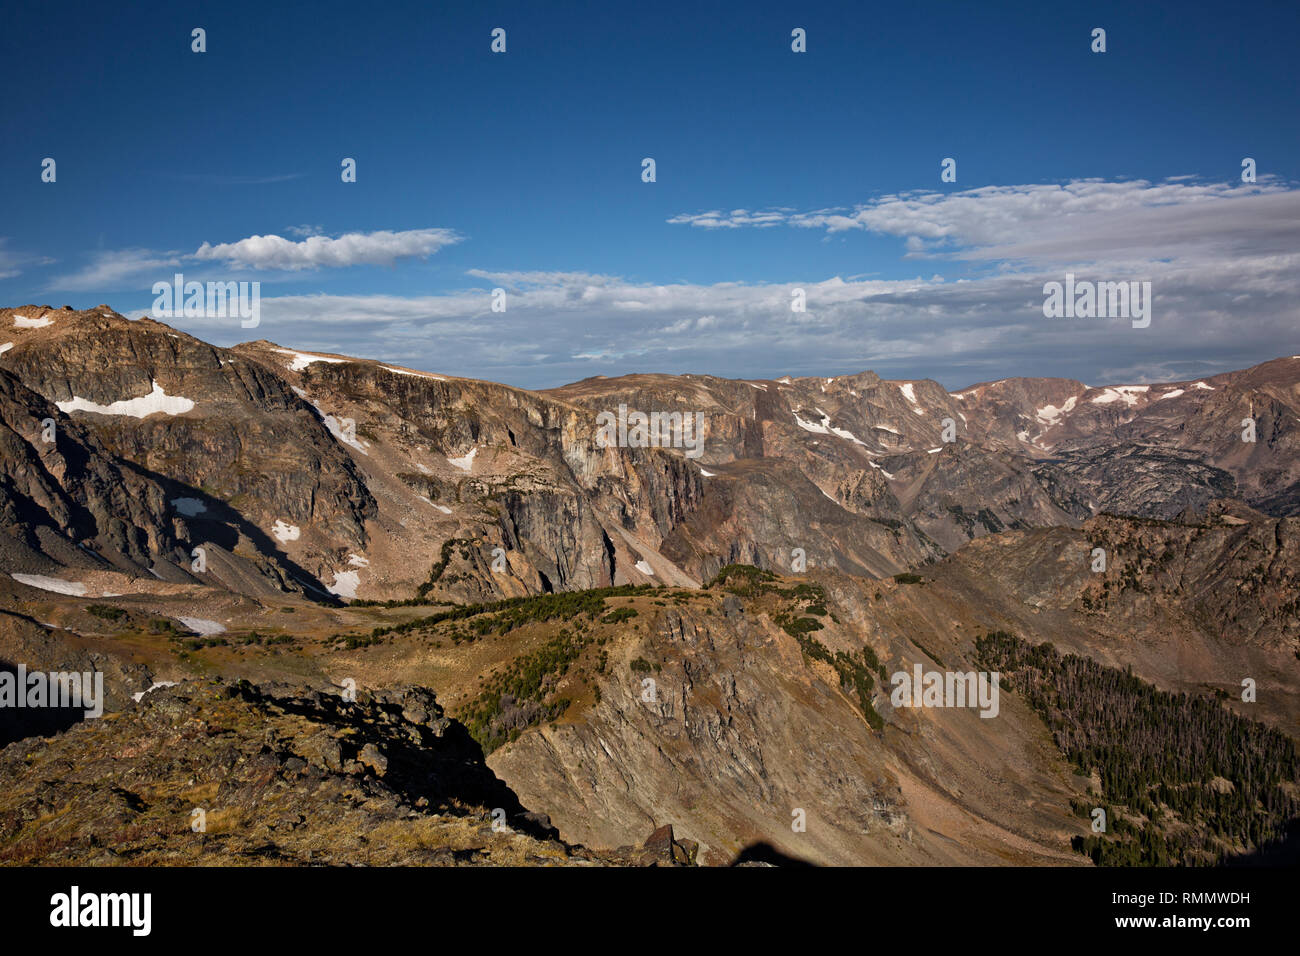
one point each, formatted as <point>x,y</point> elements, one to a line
<point>774,170</point>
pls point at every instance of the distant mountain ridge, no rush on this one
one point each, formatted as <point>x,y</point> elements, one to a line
<point>322,473</point>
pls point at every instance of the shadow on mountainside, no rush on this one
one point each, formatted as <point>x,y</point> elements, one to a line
<point>764,853</point>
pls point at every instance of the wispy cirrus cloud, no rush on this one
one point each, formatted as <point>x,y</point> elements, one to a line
<point>563,326</point>
<point>1081,221</point>
<point>223,179</point>
<point>13,263</point>
<point>115,269</point>
<point>1224,263</point>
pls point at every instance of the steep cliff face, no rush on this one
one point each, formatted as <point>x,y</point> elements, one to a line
<point>247,465</point>
<point>715,715</point>
<point>749,721</point>
<point>67,500</point>
<point>1196,605</point>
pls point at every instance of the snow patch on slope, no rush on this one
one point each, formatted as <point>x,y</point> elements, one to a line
<point>404,371</point>
<point>810,426</point>
<point>302,359</point>
<point>46,583</point>
<point>157,685</point>
<point>1051,415</point>
<point>464,463</point>
<point>156,401</point>
<point>345,584</point>
<point>824,427</point>
<point>201,625</point>
<point>1128,394</point>
<point>332,424</point>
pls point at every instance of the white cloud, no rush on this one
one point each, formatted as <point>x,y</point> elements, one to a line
<point>1208,315</point>
<point>355,248</point>
<point>1223,260</point>
<point>13,263</point>
<point>119,269</point>
<point>139,268</point>
<point>1078,222</point>
<point>735,219</point>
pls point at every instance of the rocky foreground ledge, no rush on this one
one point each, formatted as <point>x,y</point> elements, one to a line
<point>215,773</point>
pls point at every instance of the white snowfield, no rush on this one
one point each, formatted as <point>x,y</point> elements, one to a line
<point>23,322</point>
<point>644,567</point>
<point>407,371</point>
<point>284,531</point>
<point>144,406</point>
<point>824,427</point>
<point>189,507</point>
<point>1128,394</point>
<point>466,463</point>
<point>335,429</point>
<point>45,583</point>
<point>332,424</point>
<point>345,584</point>
<point>201,625</point>
<point>844,433</point>
<point>6,347</point>
<point>443,508</point>
<point>816,428</point>
<point>909,393</point>
<point>302,359</point>
<point>706,473</point>
<point>157,685</point>
<point>1050,414</point>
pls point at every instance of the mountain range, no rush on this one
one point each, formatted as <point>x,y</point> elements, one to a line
<point>267,525</point>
